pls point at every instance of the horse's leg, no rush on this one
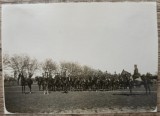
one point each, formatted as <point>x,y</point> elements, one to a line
<point>124,86</point>
<point>130,89</point>
<point>48,88</point>
<point>146,90</point>
<point>52,86</point>
<point>31,89</point>
<point>62,87</point>
<point>149,88</point>
<point>39,86</point>
<point>145,86</point>
<point>44,89</point>
<point>22,88</point>
<point>66,87</point>
<point>29,85</point>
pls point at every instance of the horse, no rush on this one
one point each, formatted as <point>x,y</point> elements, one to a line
<point>58,83</point>
<point>40,82</point>
<point>29,82</point>
<point>146,82</point>
<point>25,81</point>
<point>127,81</point>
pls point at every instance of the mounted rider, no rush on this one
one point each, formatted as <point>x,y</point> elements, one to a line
<point>45,76</point>
<point>136,73</point>
<point>22,78</point>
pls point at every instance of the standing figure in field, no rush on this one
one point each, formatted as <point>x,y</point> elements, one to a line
<point>23,81</point>
<point>45,76</point>
<point>30,82</point>
<point>65,81</point>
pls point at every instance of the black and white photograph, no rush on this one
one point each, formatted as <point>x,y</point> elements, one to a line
<point>80,58</point>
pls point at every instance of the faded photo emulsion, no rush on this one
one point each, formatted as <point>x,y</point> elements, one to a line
<point>80,58</point>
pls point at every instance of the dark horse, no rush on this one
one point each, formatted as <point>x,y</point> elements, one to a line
<point>127,81</point>
<point>131,82</point>
<point>40,82</point>
<point>25,82</point>
<point>146,81</point>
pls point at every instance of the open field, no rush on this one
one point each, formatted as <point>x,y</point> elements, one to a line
<point>79,101</point>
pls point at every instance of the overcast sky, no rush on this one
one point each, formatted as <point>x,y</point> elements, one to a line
<point>105,36</point>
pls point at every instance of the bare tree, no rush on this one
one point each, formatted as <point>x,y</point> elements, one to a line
<point>31,65</point>
<point>49,65</point>
<point>88,71</point>
<point>71,67</point>
<point>6,61</point>
<point>17,63</point>
<point>22,63</point>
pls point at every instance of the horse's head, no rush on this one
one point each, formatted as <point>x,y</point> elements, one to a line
<point>148,75</point>
<point>143,77</point>
<point>36,78</point>
<point>125,73</point>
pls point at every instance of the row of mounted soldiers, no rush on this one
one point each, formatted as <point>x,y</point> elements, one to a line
<point>94,82</point>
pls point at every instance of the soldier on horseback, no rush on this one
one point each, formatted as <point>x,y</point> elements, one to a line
<point>136,73</point>
<point>23,81</point>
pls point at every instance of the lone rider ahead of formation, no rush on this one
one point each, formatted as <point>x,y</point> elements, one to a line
<point>136,73</point>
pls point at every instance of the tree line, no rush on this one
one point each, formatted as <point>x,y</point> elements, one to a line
<point>24,63</point>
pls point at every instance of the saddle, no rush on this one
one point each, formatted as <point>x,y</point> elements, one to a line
<point>135,76</point>
<point>29,81</point>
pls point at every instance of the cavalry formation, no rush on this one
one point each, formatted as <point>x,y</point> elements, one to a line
<point>103,82</point>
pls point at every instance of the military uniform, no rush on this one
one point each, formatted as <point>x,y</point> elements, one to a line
<point>136,73</point>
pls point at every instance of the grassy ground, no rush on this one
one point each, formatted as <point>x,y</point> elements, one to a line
<point>78,102</point>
